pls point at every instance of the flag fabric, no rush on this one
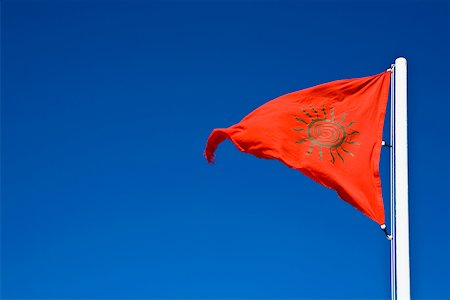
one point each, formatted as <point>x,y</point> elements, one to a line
<point>331,133</point>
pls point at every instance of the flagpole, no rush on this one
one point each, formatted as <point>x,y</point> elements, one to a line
<point>391,181</point>
<point>400,224</point>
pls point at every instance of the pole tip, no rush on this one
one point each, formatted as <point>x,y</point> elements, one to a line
<point>383,226</point>
<point>400,60</point>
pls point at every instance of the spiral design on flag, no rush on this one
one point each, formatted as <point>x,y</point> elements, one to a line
<point>326,133</point>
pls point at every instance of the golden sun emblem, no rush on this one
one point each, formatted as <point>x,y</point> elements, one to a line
<point>326,132</point>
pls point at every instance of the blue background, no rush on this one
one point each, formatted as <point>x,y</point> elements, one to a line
<point>106,107</point>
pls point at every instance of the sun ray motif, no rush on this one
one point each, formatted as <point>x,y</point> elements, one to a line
<point>337,151</point>
<point>346,151</point>
<point>307,113</point>
<point>326,132</point>
<point>315,111</point>
<point>332,156</point>
<point>301,120</point>
<point>301,141</point>
<point>324,112</point>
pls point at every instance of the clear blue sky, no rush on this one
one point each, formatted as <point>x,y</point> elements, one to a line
<point>106,108</point>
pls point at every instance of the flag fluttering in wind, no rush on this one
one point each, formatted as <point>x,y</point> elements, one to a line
<point>332,133</point>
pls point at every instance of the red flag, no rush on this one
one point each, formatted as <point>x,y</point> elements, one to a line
<point>332,133</point>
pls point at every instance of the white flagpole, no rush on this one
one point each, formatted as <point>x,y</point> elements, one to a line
<point>391,181</point>
<point>400,226</point>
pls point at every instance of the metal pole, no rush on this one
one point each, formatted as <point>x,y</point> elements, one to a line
<point>401,235</point>
<point>392,185</point>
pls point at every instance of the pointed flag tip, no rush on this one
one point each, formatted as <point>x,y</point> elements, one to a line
<point>209,157</point>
